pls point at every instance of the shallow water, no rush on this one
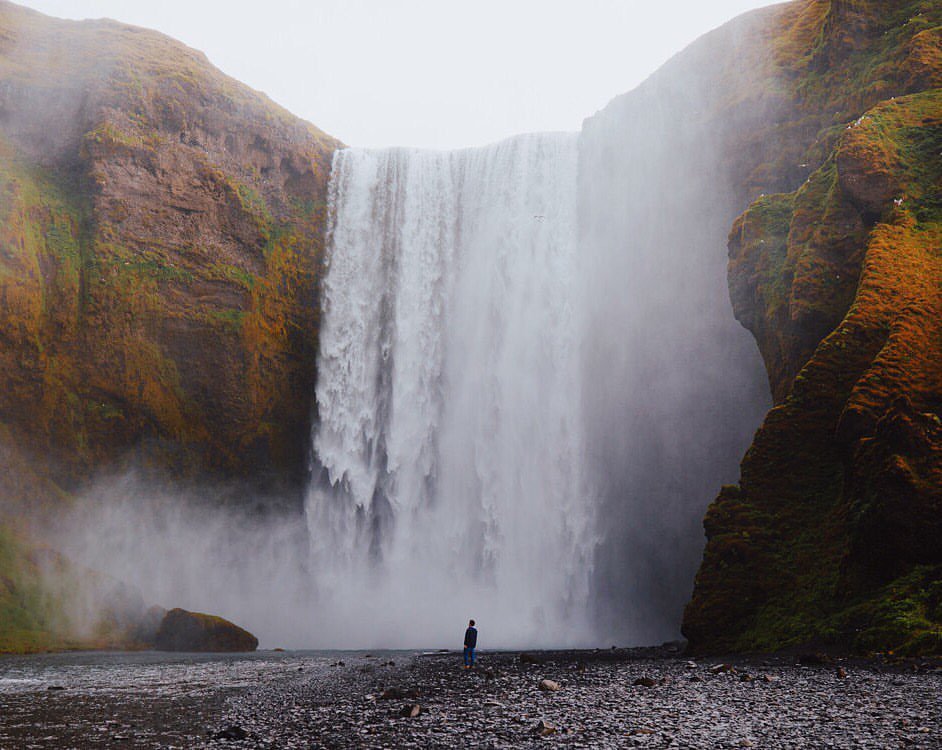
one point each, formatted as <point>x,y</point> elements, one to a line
<point>141,700</point>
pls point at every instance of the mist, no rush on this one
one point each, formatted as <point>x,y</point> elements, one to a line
<point>531,385</point>
<point>675,387</point>
<point>207,548</point>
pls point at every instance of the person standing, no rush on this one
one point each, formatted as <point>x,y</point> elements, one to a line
<point>470,643</point>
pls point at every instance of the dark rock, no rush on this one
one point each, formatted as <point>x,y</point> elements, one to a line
<point>746,677</point>
<point>396,694</point>
<point>814,660</point>
<point>194,631</point>
<point>231,733</point>
<point>410,710</point>
<point>55,687</point>
<point>841,673</point>
<point>544,729</point>
<point>645,682</point>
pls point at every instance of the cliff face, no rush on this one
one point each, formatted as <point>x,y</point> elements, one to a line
<point>161,230</point>
<point>832,535</point>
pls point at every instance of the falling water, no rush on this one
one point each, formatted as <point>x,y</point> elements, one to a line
<point>449,445</point>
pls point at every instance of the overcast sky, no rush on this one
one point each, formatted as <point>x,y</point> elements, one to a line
<point>433,73</point>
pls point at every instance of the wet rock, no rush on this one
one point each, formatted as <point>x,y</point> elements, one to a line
<point>233,732</point>
<point>395,693</point>
<point>814,660</point>
<point>194,631</point>
<point>549,686</point>
<point>410,710</point>
<point>645,682</point>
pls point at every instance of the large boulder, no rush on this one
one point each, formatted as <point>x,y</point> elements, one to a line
<point>193,631</point>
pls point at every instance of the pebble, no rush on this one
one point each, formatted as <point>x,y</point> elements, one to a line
<point>784,706</point>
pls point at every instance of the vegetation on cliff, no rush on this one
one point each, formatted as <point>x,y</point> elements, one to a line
<point>161,233</point>
<point>161,228</point>
<point>832,535</point>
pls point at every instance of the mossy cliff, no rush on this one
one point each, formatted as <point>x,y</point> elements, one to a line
<point>161,228</point>
<point>832,536</point>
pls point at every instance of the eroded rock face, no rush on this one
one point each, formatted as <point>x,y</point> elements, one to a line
<point>193,631</point>
<point>161,230</point>
<point>832,534</point>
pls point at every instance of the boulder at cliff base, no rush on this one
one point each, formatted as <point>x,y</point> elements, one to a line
<point>193,631</point>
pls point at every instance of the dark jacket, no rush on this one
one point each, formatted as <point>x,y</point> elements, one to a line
<point>471,638</point>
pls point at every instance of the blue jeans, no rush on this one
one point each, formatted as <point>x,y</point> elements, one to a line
<point>468,656</point>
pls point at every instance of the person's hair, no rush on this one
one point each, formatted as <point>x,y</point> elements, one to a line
<point>471,623</point>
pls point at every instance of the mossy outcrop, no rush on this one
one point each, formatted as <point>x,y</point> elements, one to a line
<point>193,631</point>
<point>832,535</point>
<point>161,229</point>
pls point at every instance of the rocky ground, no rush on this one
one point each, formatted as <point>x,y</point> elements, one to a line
<point>594,699</point>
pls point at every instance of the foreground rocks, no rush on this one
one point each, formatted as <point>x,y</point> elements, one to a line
<point>597,705</point>
<point>193,631</point>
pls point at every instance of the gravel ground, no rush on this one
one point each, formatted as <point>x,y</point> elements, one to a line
<point>637,698</point>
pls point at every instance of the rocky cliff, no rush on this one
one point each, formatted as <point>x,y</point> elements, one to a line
<point>161,228</point>
<point>832,535</point>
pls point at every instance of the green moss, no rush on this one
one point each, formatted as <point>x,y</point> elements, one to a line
<point>253,204</point>
<point>28,615</point>
<point>903,617</point>
<point>229,319</point>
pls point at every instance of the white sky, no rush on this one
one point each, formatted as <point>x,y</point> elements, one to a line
<point>432,73</point>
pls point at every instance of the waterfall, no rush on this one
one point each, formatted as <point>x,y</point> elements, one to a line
<point>448,451</point>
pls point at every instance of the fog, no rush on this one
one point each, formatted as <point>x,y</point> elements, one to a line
<point>428,73</point>
<point>675,387</point>
<point>207,548</point>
